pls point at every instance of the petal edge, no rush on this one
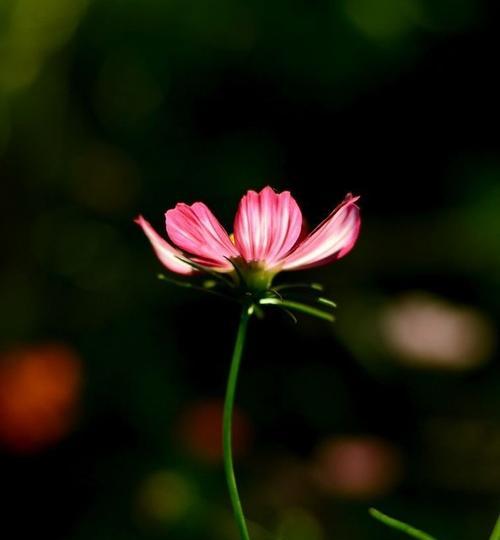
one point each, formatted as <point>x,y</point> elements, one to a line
<point>167,254</point>
<point>330,240</point>
<point>195,230</point>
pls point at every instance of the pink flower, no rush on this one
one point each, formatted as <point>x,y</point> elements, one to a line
<point>268,237</point>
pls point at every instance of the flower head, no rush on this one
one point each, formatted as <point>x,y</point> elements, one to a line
<point>268,238</point>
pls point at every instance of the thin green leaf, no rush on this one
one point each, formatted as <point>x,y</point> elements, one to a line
<point>289,314</point>
<point>314,286</point>
<point>400,525</point>
<point>188,285</point>
<point>276,293</point>
<point>178,282</point>
<point>298,306</point>
<point>327,302</point>
<point>495,535</point>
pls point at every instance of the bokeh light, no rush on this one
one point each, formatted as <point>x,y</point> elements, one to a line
<point>386,19</point>
<point>299,524</point>
<point>200,431</point>
<point>39,394</point>
<point>427,331</point>
<point>31,32</point>
<point>165,496</point>
<point>357,467</point>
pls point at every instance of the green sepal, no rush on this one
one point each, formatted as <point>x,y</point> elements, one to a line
<point>237,270</point>
<point>289,314</point>
<point>189,285</point>
<point>298,306</point>
<point>259,313</point>
<point>327,302</point>
<point>178,282</point>
<point>313,286</point>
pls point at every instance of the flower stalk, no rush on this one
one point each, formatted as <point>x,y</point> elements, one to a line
<point>227,422</point>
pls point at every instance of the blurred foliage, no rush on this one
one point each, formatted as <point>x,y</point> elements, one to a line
<point>110,108</point>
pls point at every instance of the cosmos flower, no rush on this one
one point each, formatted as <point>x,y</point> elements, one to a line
<point>268,238</point>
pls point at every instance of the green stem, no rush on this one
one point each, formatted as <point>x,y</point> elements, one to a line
<point>227,422</point>
<point>400,525</point>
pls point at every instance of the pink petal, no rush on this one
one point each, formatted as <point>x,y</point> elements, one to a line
<point>267,226</point>
<point>167,254</point>
<point>196,230</point>
<point>331,240</point>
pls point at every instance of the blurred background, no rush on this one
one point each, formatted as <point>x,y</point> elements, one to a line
<point>111,381</point>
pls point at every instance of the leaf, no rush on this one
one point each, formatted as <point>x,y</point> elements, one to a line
<point>298,306</point>
<point>400,525</point>
<point>495,534</point>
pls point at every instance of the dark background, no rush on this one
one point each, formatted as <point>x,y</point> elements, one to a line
<point>113,108</point>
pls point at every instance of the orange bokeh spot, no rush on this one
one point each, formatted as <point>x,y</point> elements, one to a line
<point>200,431</point>
<point>39,390</point>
